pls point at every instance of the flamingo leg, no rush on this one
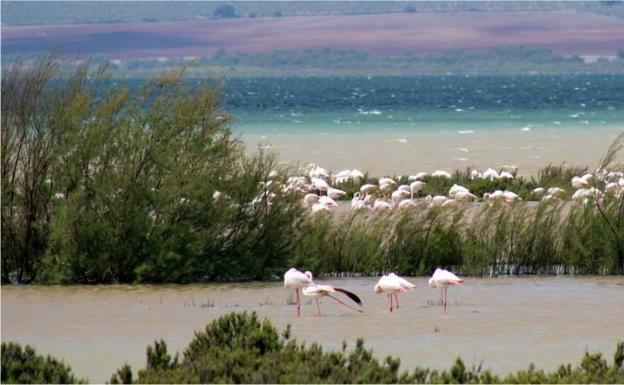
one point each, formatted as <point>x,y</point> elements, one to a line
<point>298,303</point>
<point>342,303</point>
<point>397,300</point>
<point>318,307</point>
<point>445,299</point>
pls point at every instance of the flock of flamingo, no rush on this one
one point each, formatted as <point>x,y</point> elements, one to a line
<point>319,195</point>
<point>390,284</point>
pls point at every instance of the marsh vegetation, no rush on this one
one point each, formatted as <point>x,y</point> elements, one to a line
<point>100,184</point>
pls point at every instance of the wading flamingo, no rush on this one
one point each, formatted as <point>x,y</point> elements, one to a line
<point>443,279</point>
<point>294,279</point>
<point>392,284</point>
<point>317,291</point>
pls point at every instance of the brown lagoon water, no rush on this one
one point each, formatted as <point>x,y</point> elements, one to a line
<point>504,323</point>
<point>407,153</point>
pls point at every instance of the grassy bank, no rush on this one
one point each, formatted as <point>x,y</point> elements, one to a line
<point>241,348</point>
<point>100,185</point>
<point>550,238</point>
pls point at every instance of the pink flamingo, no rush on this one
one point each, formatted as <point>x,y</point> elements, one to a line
<point>317,291</point>
<point>444,278</point>
<point>294,279</point>
<point>393,284</point>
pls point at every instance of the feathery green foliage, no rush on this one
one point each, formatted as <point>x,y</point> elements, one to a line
<point>551,237</point>
<point>99,185</point>
<point>25,366</point>
<point>240,348</point>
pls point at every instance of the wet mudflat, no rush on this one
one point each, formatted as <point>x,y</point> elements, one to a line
<point>503,323</point>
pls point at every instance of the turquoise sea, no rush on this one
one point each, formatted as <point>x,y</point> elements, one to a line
<point>425,103</point>
<point>392,125</point>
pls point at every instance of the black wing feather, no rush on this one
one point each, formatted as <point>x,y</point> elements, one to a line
<point>353,297</point>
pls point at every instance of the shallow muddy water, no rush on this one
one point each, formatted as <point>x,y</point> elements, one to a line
<point>504,323</point>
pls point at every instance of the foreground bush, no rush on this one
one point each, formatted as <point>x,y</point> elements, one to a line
<point>240,348</point>
<point>25,366</point>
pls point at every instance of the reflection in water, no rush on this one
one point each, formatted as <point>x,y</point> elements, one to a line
<point>504,323</point>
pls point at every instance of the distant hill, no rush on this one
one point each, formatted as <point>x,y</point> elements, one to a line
<point>569,33</point>
<point>87,12</point>
<point>337,62</point>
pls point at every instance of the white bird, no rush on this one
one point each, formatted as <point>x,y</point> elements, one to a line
<point>406,203</point>
<point>538,191</point>
<point>335,193</point>
<point>309,200</point>
<point>388,181</point>
<point>343,174</point>
<point>319,184</point>
<point>444,278</point>
<point>509,168</point>
<point>587,177</point>
<point>294,279</point>
<point>356,175</point>
<point>416,187</point>
<point>386,185</point>
<point>368,189</point>
<point>317,291</point>
<point>556,192</point>
<point>436,201</point>
<point>490,174</point>
<point>496,195</point>
<point>457,188</point>
<point>464,196</point>
<point>381,205</point>
<point>316,172</point>
<point>547,197</point>
<point>397,196</point>
<point>451,203</point>
<point>579,182</point>
<point>418,176</point>
<point>510,197</point>
<point>505,174</point>
<point>441,173</point>
<point>342,177</point>
<point>358,205</point>
<point>405,188</point>
<point>474,174</point>
<point>586,193</point>
<point>356,200</point>
<point>392,284</point>
<point>327,201</point>
<point>612,188</point>
<point>318,207</point>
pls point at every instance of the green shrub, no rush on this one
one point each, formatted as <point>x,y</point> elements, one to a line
<point>25,366</point>
<point>107,186</point>
<point>240,348</point>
